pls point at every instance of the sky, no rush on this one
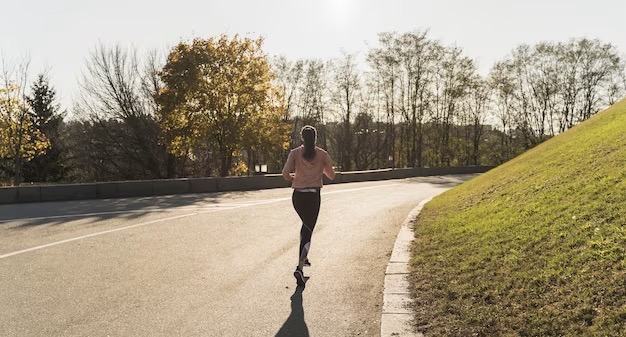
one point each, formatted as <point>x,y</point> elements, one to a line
<point>58,35</point>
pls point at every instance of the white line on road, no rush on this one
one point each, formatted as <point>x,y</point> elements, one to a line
<point>233,206</point>
<point>147,210</point>
<point>91,235</point>
<point>174,209</point>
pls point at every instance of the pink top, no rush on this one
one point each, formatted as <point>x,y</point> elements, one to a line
<point>308,173</point>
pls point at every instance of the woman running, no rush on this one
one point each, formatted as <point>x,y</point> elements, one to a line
<point>309,163</point>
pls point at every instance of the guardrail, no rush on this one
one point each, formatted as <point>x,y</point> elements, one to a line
<point>145,188</point>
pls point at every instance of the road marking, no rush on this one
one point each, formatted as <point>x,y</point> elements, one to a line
<point>81,215</point>
<point>147,210</point>
<point>92,235</point>
<point>359,188</point>
<point>206,210</point>
<point>184,208</point>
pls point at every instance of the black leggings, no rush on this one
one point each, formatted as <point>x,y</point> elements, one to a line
<point>307,204</point>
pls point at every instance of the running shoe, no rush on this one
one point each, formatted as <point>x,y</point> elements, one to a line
<point>299,277</point>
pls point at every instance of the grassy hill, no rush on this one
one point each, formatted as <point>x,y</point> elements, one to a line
<point>535,247</point>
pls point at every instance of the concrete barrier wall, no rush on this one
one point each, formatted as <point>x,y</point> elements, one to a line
<point>68,192</point>
<point>107,190</point>
<point>251,183</point>
<point>8,195</point>
<point>145,188</point>
<point>28,193</point>
<point>203,185</point>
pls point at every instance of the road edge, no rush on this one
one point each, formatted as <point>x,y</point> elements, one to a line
<point>396,314</point>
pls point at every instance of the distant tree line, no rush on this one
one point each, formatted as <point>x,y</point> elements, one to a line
<point>221,106</point>
<point>421,103</point>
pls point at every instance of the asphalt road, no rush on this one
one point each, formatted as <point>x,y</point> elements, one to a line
<point>202,265</point>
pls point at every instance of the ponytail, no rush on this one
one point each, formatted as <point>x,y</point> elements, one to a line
<point>309,134</point>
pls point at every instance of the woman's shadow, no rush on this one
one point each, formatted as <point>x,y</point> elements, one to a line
<point>295,326</point>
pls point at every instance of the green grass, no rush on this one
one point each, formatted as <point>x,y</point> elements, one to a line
<point>534,247</point>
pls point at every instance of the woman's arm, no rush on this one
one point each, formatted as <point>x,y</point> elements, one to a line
<point>289,167</point>
<point>328,168</point>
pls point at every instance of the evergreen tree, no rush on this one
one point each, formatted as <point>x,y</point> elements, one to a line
<point>47,118</point>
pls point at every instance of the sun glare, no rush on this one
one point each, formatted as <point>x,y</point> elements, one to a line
<point>338,11</point>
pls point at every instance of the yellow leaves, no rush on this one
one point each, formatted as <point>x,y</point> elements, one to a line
<point>18,136</point>
<point>218,96</point>
<point>215,90</point>
<point>239,169</point>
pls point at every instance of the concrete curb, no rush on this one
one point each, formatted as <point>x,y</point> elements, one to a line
<point>396,316</point>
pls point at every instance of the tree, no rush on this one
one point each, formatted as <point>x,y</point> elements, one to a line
<point>384,62</point>
<point>20,140</point>
<point>366,141</point>
<point>314,101</point>
<point>476,111</point>
<point>502,88</point>
<point>544,82</point>
<point>345,97</point>
<point>370,140</point>
<point>117,107</point>
<point>549,87</point>
<point>46,118</point>
<point>600,62</point>
<point>417,59</point>
<point>288,76</point>
<point>267,134</point>
<point>453,76</point>
<point>215,90</point>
